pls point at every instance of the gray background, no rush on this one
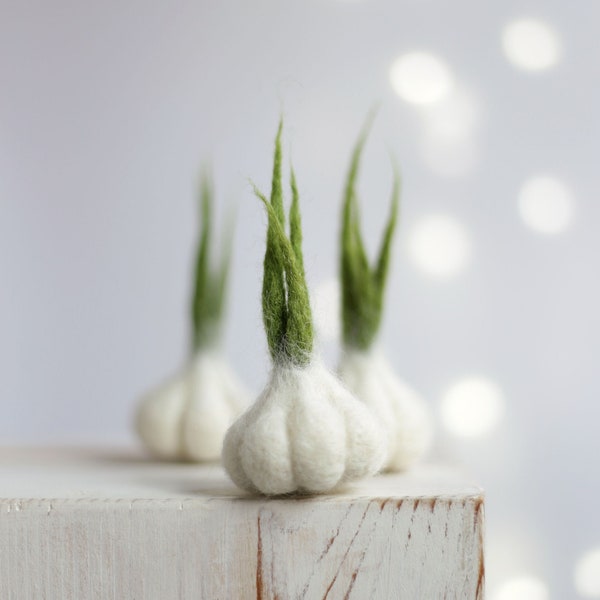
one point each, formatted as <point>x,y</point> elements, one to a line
<point>107,109</point>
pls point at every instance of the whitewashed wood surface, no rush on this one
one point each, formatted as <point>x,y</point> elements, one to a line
<point>81,524</point>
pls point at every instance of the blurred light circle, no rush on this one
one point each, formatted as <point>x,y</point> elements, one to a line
<point>449,158</point>
<point>439,246</point>
<point>420,78</point>
<point>326,309</point>
<point>472,407</point>
<point>454,118</point>
<point>587,574</point>
<point>531,44</point>
<point>546,204</point>
<point>522,588</point>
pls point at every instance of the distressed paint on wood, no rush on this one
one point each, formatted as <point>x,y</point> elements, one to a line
<point>109,527</point>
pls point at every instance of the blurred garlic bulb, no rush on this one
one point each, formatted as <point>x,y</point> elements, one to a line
<point>187,417</point>
<point>366,373</point>
<point>401,412</point>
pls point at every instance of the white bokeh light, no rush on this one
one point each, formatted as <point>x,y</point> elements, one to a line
<point>513,546</point>
<point>420,78</point>
<point>587,574</point>
<point>439,246</point>
<point>526,587</point>
<point>449,158</point>
<point>531,44</point>
<point>454,118</point>
<point>472,407</point>
<point>326,310</point>
<point>546,204</point>
<point>448,145</point>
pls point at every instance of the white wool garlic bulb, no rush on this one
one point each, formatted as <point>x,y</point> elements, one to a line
<point>187,417</point>
<point>305,433</point>
<point>400,410</point>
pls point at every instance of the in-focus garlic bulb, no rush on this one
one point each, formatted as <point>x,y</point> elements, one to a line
<point>366,373</point>
<point>400,410</point>
<point>306,432</point>
<point>187,417</point>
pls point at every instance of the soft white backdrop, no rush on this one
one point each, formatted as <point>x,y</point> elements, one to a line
<point>107,109</point>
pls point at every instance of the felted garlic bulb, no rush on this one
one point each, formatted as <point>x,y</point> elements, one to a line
<point>187,417</point>
<point>306,432</point>
<point>367,373</point>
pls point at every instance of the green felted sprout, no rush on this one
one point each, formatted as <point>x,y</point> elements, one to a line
<point>210,282</point>
<point>285,300</point>
<point>363,285</point>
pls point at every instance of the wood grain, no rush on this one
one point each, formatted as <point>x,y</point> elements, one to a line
<point>77,524</point>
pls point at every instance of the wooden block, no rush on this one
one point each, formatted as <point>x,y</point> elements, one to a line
<point>81,524</point>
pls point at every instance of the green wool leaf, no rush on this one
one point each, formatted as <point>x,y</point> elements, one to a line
<point>287,315</point>
<point>273,290</point>
<point>210,283</point>
<point>363,286</point>
<point>296,222</point>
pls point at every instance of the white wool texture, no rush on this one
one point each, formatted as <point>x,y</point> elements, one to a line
<point>186,418</point>
<point>400,410</point>
<point>305,433</point>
